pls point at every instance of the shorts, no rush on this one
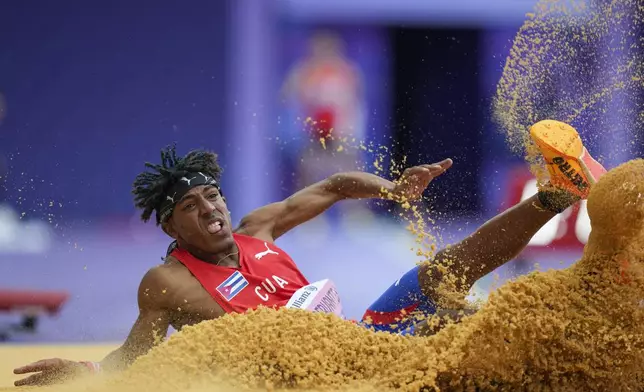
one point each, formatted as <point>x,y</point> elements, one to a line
<point>398,309</point>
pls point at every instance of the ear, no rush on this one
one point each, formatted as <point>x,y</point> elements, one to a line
<point>169,229</point>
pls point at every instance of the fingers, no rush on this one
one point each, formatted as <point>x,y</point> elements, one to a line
<point>415,179</point>
<point>439,167</point>
<point>422,170</point>
<point>445,163</point>
<point>432,170</point>
<point>425,171</point>
<point>47,371</point>
<point>34,379</point>
<point>38,366</point>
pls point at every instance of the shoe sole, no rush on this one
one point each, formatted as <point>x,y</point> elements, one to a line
<point>560,143</point>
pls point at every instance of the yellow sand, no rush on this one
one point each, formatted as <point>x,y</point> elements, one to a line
<point>567,62</point>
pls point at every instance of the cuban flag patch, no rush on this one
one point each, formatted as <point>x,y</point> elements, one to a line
<point>232,286</point>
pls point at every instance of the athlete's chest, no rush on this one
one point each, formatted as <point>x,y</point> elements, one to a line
<point>192,302</point>
<point>266,276</point>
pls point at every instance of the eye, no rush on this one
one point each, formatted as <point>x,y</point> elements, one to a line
<point>213,196</point>
<point>188,207</point>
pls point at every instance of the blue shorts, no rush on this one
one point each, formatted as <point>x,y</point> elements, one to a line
<point>398,308</point>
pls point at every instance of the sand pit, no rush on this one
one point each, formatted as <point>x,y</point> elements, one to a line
<point>574,329</point>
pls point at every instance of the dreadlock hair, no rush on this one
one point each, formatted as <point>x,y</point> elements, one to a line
<point>150,187</point>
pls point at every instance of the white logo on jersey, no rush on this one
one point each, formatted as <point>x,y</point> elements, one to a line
<point>269,287</point>
<point>268,251</point>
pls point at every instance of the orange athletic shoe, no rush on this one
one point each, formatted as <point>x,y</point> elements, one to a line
<point>570,165</point>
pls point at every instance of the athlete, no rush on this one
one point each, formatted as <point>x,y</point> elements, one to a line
<point>213,270</point>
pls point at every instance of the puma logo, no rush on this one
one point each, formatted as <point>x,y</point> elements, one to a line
<point>205,177</point>
<point>268,251</point>
<point>187,180</point>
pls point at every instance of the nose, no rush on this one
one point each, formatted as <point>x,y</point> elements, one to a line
<point>206,207</point>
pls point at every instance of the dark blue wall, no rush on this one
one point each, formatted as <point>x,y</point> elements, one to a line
<point>95,88</point>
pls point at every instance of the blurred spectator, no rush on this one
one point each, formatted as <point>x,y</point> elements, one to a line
<point>326,88</point>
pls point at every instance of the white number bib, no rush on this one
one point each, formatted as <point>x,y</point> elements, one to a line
<point>320,296</point>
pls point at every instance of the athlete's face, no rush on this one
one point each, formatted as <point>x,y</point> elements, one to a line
<point>200,222</point>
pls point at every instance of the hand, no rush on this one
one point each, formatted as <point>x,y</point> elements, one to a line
<point>414,180</point>
<point>50,371</point>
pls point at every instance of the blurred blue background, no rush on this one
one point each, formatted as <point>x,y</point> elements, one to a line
<point>92,90</point>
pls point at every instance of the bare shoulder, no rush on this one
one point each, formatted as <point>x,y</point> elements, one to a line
<point>155,284</point>
<point>168,274</point>
<point>261,222</point>
<point>159,274</point>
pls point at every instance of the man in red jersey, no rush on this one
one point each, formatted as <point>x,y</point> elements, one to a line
<point>214,270</point>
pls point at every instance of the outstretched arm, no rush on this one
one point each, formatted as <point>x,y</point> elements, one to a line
<point>151,325</point>
<point>274,220</point>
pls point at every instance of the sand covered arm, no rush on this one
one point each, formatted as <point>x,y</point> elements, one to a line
<point>151,325</point>
<point>274,220</point>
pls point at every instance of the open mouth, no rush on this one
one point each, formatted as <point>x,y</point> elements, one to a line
<point>215,226</point>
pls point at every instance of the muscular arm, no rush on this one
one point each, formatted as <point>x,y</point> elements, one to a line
<point>153,321</point>
<point>151,325</point>
<point>274,220</point>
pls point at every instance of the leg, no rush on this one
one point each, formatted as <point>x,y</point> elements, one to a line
<point>495,243</point>
<point>414,295</point>
<point>396,309</point>
<point>572,171</point>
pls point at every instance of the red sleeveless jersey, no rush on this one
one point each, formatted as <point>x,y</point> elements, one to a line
<point>267,276</point>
